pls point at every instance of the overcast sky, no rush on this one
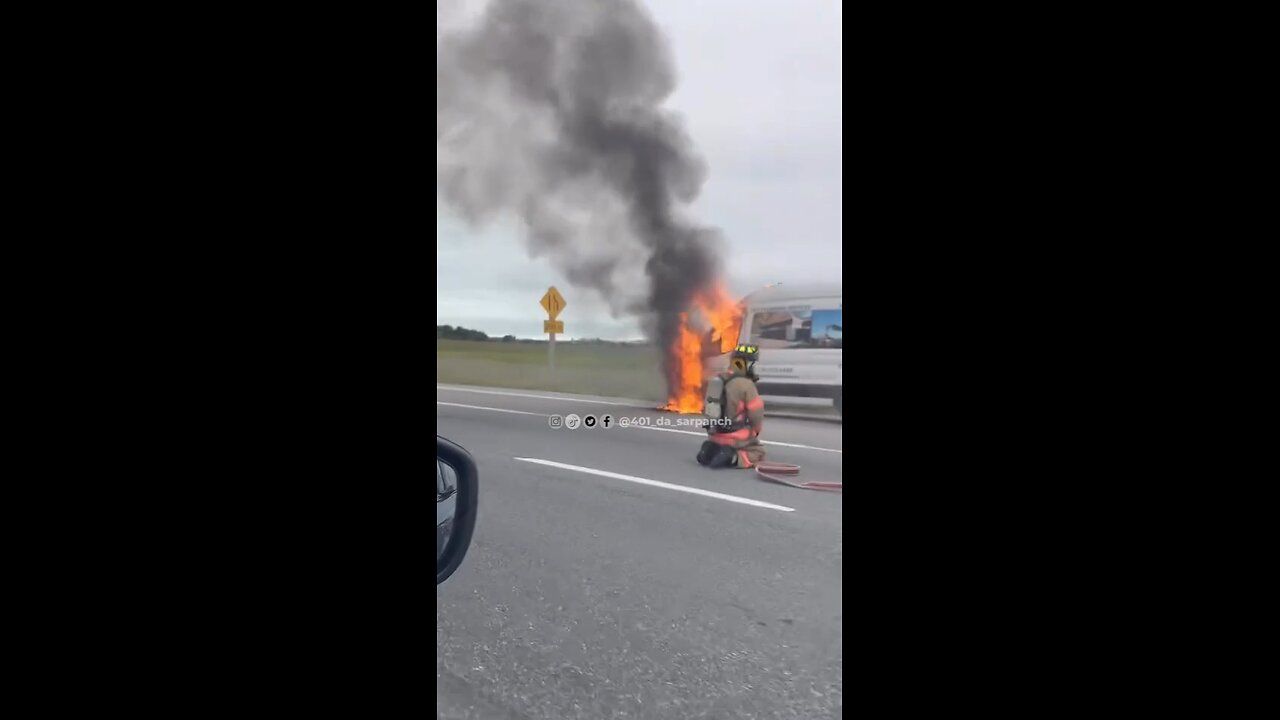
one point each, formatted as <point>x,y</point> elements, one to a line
<point>760,92</point>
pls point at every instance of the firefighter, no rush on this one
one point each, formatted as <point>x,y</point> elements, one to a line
<point>736,414</point>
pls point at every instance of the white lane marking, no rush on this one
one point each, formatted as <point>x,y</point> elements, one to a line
<point>763,442</point>
<point>659,484</point>
<point>641,403</point>
<point>481,407</point>
<point>529,395</point>
<point>645,427</point>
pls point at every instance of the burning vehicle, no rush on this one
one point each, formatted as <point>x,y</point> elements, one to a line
<point>799,330</point>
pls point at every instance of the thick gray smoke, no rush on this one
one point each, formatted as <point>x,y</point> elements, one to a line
<point>550,109</point>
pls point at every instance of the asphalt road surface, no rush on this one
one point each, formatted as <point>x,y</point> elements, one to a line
<point>613,577</point>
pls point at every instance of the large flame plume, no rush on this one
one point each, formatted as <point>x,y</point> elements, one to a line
<point>709,328</point>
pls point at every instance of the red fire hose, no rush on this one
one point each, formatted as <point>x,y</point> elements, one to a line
<point>778,472</point>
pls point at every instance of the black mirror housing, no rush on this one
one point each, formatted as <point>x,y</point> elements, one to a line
<point>457,496</point>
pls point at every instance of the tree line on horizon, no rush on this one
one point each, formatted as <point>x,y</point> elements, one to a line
<point>449,332</point>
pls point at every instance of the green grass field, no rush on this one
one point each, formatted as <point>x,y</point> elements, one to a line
<point>589,369</point>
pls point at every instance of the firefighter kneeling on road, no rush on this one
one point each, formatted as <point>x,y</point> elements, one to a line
<point>736,414</point>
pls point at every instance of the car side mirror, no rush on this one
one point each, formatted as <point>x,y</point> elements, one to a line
<point>456,500</point>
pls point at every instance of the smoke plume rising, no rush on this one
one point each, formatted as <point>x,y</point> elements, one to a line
<point>551,110</point>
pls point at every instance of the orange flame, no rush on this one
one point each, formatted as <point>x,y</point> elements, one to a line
<point>723,315</point>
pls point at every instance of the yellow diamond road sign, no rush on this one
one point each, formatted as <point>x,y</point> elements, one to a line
<point>554,302</point>
<point>553,326</point>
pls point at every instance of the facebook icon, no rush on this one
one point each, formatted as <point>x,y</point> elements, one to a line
<point>606,420</point>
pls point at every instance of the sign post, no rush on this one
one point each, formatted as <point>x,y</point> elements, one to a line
<point>553,302</point>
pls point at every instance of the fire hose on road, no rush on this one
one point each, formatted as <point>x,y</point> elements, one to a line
<point>779,472</point>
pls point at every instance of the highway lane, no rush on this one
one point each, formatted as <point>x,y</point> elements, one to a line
<point>600,585</point>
